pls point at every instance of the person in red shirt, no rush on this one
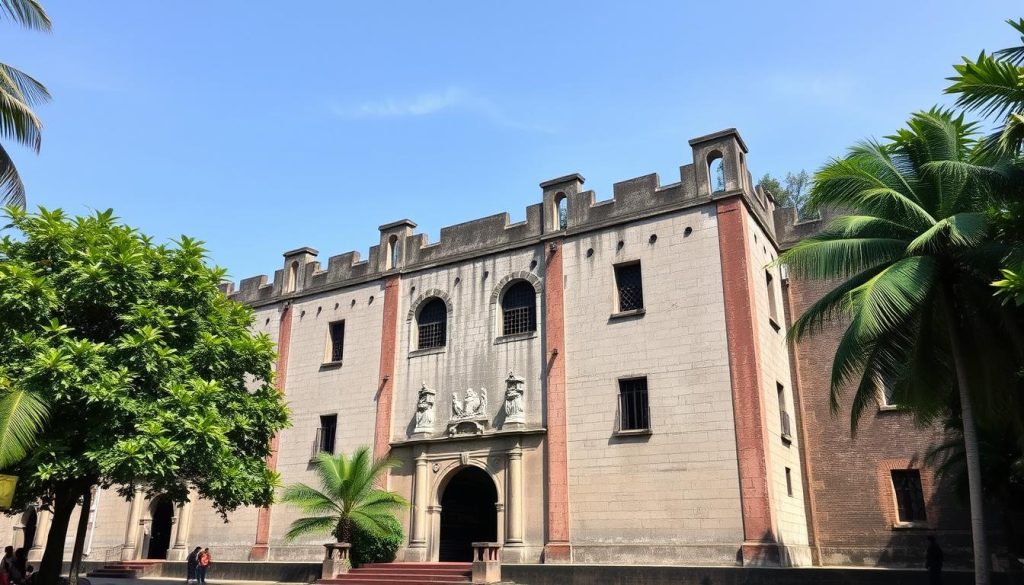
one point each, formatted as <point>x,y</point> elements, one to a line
<point>204,565</point>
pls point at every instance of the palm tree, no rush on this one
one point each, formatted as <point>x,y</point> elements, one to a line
<point>348,497</point>
<point>19,93</point>
<point>913,261</point>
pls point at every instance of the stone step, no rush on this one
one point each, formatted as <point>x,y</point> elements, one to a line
<point>417,570</point>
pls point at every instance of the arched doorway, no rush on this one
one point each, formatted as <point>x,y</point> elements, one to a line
<point>28,530</point>
<point>160,535</point>
<point>468,514</point>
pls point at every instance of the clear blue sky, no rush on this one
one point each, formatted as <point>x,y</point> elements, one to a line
<point>260,127</point>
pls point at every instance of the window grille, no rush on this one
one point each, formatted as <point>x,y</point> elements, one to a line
<point>630,285</point>
<point>324,441</point>
<point>519,309</point>
<point>433,325</point>
<point>337,341</point>
<point>909,495</point>
<point>634,414</point>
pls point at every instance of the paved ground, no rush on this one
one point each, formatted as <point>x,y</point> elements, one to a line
<point>167,581</point>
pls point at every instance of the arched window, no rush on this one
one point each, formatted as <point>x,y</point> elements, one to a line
<point>519,309</point>
<point>293,275</point>
<point>392,252</point>
<point>433,324</point>
<point>716,172</point>
<point>562,207</point>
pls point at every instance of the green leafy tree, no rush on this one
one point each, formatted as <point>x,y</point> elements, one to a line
<point>19,93</point>
<point>793,191</point>
<point>913,262</point>
<point>383,547</point>
<point>347,498</point>
<point>122,364</point>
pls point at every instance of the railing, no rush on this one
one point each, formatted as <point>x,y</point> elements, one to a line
<point>634,414</point>
<point>486,562</point>
<point>336,560</point>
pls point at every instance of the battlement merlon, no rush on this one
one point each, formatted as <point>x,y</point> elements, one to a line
<point>402,250</point>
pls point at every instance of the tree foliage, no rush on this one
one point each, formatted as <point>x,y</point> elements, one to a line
<point>792,191</point>
<point>380,547</point>
<point>19,94</point>
<point>122,364</point>
<point>347,498</point>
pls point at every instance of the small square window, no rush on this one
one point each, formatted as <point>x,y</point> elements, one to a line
<point>634,413</point>
<point>629,287</point>
<point>909,495</point>
<point>336,343</point>
<point>326,433</point>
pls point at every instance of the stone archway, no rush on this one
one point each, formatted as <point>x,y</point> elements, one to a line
<point>469,513</point>
<point>162,513</point>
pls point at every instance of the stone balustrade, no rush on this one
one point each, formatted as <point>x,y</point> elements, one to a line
<point>486,562</point>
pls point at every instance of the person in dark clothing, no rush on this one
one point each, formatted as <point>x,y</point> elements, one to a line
<point>192,562</point>
<point>21,562</point>
<point>204,565</point>
<point>933,562</point>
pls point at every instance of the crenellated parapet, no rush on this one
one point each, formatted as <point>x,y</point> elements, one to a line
<point>565,209</point>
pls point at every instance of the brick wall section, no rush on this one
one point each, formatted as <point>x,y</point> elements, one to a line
<point>388,341</point>
<point>851,490</point>
<point>556,548</point>
<point>746,386</point>
<point>260,548</point>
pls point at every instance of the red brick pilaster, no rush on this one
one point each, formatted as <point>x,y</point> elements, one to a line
<point>386,376</point>
<point>557,548</point>
<point>759,546</point>
<point>261,547</point>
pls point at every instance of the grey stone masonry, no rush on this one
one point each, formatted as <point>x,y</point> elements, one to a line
<point>631,199</point>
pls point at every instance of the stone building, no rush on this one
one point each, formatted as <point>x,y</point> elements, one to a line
<point>607,381</point>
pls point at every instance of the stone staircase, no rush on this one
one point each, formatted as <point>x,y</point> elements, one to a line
<point>125,569</point>
<point>405,574</point>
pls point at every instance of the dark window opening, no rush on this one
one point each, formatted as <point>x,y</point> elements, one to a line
<point>326,433</point>
<point>630,287</point>
<point>337,341</point>
<point>888,390</point>
<point>773,310</point>
<point>785,426</point>
<point>519,309</point>
<point>789,481</point>
<point>716,173</point>
<point>433,325</point>
<point>562,204</point>
<point>909,495</point>
<point>634,414</point>
<point>392,257</point>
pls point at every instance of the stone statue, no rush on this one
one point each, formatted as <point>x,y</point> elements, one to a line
<point>457,410</point>
<point>425,410</point>
<point>515,411</point>
<point>473,405</point>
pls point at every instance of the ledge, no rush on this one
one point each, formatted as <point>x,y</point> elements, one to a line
<point>891,408</point>
<point>628,314</point>
<point>633,433</point>
<point>786,439</point>
<point>487,435</point>
<point>515,337</point>
<point>910,526</point>
<point>330,365</point>
<point>428,351</point>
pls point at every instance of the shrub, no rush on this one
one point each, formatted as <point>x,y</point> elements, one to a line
<point>371,548</point>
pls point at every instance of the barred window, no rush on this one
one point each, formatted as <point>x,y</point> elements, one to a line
<point>337,341</point>
<point>634,414</point>
<point>909,495</point>
<point>433,324</point>
<point>519,309</point>
<point>326,433</point>
<point>630,287</point>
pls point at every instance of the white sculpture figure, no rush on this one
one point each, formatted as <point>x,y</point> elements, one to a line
<point>472,405</point>
<point>515,411</point>
<point>425,410</point>
<point>457,410</point>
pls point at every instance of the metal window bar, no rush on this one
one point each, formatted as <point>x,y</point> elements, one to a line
<point>433,325</point>
<point>630,285</point>
<point>786,429</point>
<point>518,308</point>
<point>337,341</point>
<point>909,495</point>
<point>634,414</point>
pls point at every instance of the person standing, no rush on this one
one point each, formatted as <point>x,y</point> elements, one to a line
<point>7,566</point>
<point>204,565</point>
<point>933,562</point>
<point>192,563</point>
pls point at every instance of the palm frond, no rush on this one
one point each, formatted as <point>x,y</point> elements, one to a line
<point>1014,55</point>
<point>816,258</point>
<point>311,525</point>
<point>830,306</point>
<point>308,499</point>
<point>990,86</point>
<point>23,86</point>
<point>22,415</point>
<point>28,13</point>
<point>956,231</point>
<point>19,123</point>
<point>12,189</point>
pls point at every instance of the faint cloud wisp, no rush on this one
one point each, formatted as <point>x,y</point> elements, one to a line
<point>431,102</point>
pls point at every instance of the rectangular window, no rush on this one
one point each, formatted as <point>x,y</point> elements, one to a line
<point>789,481</point>
<point>784,423</point>
<point>634,414</point>
<point>326,433</point>
<point>909,495</point>
<point>773,311</point>
<point>629,287</point>
<point>336,343</point>
<point>886,391</point>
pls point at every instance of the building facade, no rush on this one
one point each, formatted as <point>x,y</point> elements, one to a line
<point>607,381</point>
